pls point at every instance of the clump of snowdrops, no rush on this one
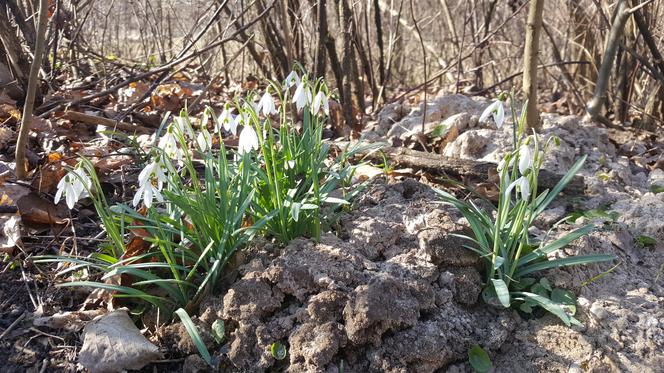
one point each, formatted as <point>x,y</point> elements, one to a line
<point>197,202</point>
<point>501,237</point>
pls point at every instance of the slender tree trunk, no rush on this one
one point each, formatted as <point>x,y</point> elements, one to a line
<point>322,35</point>
<point>533,28</point>
<point>611,49</point>
<point>21,142</point>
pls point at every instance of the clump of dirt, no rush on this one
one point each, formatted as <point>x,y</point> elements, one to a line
<point>620,307</point>
<point>397,293</point>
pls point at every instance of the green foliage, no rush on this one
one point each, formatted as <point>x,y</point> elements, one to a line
<point>645,241</point>
<point>195,336</point>
<point>479,360</point>
<point>278,351</point>
<point>503,241</point>
<point>200,205</point>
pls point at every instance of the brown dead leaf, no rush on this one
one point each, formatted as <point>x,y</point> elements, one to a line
<point>107,165</point>
<point>70,321</point>
<point>37,210</point>
<point>137,246</point>
<point>488,191</point>
<point>10,193</point>
<point>47,177</point>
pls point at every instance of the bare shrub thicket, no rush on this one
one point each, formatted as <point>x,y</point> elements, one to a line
<point>379,50</point>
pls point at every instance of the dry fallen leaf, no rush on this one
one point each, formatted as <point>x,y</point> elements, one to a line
<point>112,343</point>
<point>10,232</point>
<point>37,210</point>
<point>70,321</point>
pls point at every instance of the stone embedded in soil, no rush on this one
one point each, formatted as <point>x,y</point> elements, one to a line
<point>112,343</point>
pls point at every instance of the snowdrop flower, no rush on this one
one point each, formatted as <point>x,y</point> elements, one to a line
<point>182,126</point>
<point>525,158</point>
<point>266,104</point>
<point>523,186</point>
<point>291,80</point>
<point>204,140</point>
<point>302,96</point>
<point>169,144</point>
<point>224,120</point>
<point>240,119</point>
<point>289,165</point>
<point>495,110</point>
<point>321,101</point>
<point>74,186</point>
<point>248,140</point>
<point>151,181</point>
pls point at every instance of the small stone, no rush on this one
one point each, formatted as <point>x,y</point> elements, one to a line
<point>575,367</point>
<point>598,311</point>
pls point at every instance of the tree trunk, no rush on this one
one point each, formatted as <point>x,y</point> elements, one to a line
<point>16,60</point>
<point>21,142</point>
<point>533,27</point>
<point>611,49</point>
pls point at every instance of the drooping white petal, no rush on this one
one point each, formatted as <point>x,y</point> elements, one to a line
<point>248,140</point>
<point>224,120</point>
<point>321,102</point>
<point>181,124</point>
<point>169,144</point>
<point>487,113</point>
<point>266,105</point>
<point>524,187</point>
<point>499,115</point>
<point>70,197</point>
<point>302,96</point>
<point>58,193</point>
<point>138,195</point>
<point>240,119</point>
<point>291,80</point>
<point>204,140</point>
<point>525,158</point>
<point>496,111</point>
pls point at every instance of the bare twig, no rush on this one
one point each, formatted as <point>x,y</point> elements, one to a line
<point>21,142</point>
<point>12,325</point>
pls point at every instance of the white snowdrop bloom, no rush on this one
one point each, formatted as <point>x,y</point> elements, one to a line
<point>169,145</point>
<point>150,183</point>
<point>204,140</point>
<point>289,165</point>
<point>241,119</point>
<point>266,104</point>
<point>291,80</point>
<point>224,120</point>
<point>495,110</point>
<point>523,186</point>
<point>248,140</point>
<point>302,96</point>
<point>525,158</point>
<point>183,127</point>
<point>320,101</point>
<point>74,186</point>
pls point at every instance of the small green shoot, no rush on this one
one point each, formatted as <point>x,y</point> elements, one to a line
<point>479,360</point>
<point>278,351</point>
<point>218,331</point>
<point>645,241</point>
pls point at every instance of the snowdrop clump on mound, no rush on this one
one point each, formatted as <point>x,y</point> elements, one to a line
<point>510,254</point>
<point>276,183</point>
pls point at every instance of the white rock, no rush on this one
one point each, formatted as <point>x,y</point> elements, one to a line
<point>598,311</point>
<point>112,343</point>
